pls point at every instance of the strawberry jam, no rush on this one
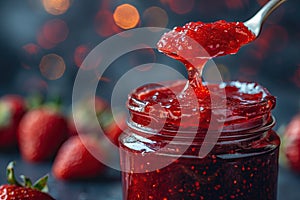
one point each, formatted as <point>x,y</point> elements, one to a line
<point>218,39</point>
<point>196,140</point>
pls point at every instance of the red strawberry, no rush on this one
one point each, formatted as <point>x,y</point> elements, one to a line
<point>291,143</point>
<point>16,191</point>
<point>74,160</point>
<point>111,128</point>
<point>41,133</point>
<point>83,113</point>
<point>12,108</point>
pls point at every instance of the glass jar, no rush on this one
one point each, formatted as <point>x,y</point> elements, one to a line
<point>160,159</point>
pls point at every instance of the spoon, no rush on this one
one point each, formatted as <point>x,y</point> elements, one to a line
<point>255,23</point>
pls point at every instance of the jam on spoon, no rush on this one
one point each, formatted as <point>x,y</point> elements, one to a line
<point>196,42</point>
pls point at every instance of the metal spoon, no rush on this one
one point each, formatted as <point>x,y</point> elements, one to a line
<point>255,23</point>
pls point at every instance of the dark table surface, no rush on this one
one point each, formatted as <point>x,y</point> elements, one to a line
<point>110,188</point>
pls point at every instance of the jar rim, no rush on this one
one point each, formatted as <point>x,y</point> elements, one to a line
<point>181,135</point>
<point>237,116</point>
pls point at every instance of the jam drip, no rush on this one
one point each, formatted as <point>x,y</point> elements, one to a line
<point>197,42</point>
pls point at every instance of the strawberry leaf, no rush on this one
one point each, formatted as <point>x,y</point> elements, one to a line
<point>5,115</point>
<point>11,174</point>
<point>27,181</point>
<point>41,184</point>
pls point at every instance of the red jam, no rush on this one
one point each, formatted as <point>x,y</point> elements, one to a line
<point>196,42</point>
<point>170,123</point>
<point>218,39</point>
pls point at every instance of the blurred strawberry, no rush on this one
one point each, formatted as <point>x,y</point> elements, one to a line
<point>105,118</point>
<point>83,115</point>
<point>41,133</point>
<point>74,160</point>
<point>12,108</point>
<point>291,143</point>
<point>25,191</point>
<point>111,128</point>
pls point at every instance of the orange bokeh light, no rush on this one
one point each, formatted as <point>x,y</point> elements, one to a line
<point>56,7</point>
<point>180,6</point>
<point>52,66</point>
<point>126,16</point>
<point>155,17</point>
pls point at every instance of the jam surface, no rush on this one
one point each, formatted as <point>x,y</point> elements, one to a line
<point>217,39</point>
<point>238,103</point>
<point>243,162</point>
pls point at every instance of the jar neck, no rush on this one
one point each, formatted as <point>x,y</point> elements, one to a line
<point>256,129</point>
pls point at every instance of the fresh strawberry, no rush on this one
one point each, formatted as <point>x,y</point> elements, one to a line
<point>74,160</point>
<point>291,143</point>
<point>12,108</point>
<point>41,133</point>
<point>28,191</point>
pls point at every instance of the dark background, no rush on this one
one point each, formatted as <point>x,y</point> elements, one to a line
<point>272,60</point>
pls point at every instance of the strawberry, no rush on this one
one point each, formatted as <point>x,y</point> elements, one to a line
<point>291,143</point>
<point>74,160</point>
<point>105,118</point>
<point>83,114</point>
<point>28,191</point>
<point>41,133</point>
<point>111,128</point>
<point>12,108</point>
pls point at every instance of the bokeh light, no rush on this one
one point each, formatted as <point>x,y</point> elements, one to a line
<point>236,4</point>
<point>34,84</point>
<point>126,16</point>
<point>52,66</point>
<point>43,42</point>
<point>31,49</point>
<point>262,2</point>
<point>56,7</point>
<point>104,24</point>
<point>52,33</point>
<point>272,39</point>
<point>55,31</point>
<point>155,17</point>
<point>79,55</point>
<point>180,6</point>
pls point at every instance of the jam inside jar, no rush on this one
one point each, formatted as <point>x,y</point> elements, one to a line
<point>159,151</point>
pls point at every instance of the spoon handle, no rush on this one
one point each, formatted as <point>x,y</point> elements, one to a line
<point>255,23</point>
